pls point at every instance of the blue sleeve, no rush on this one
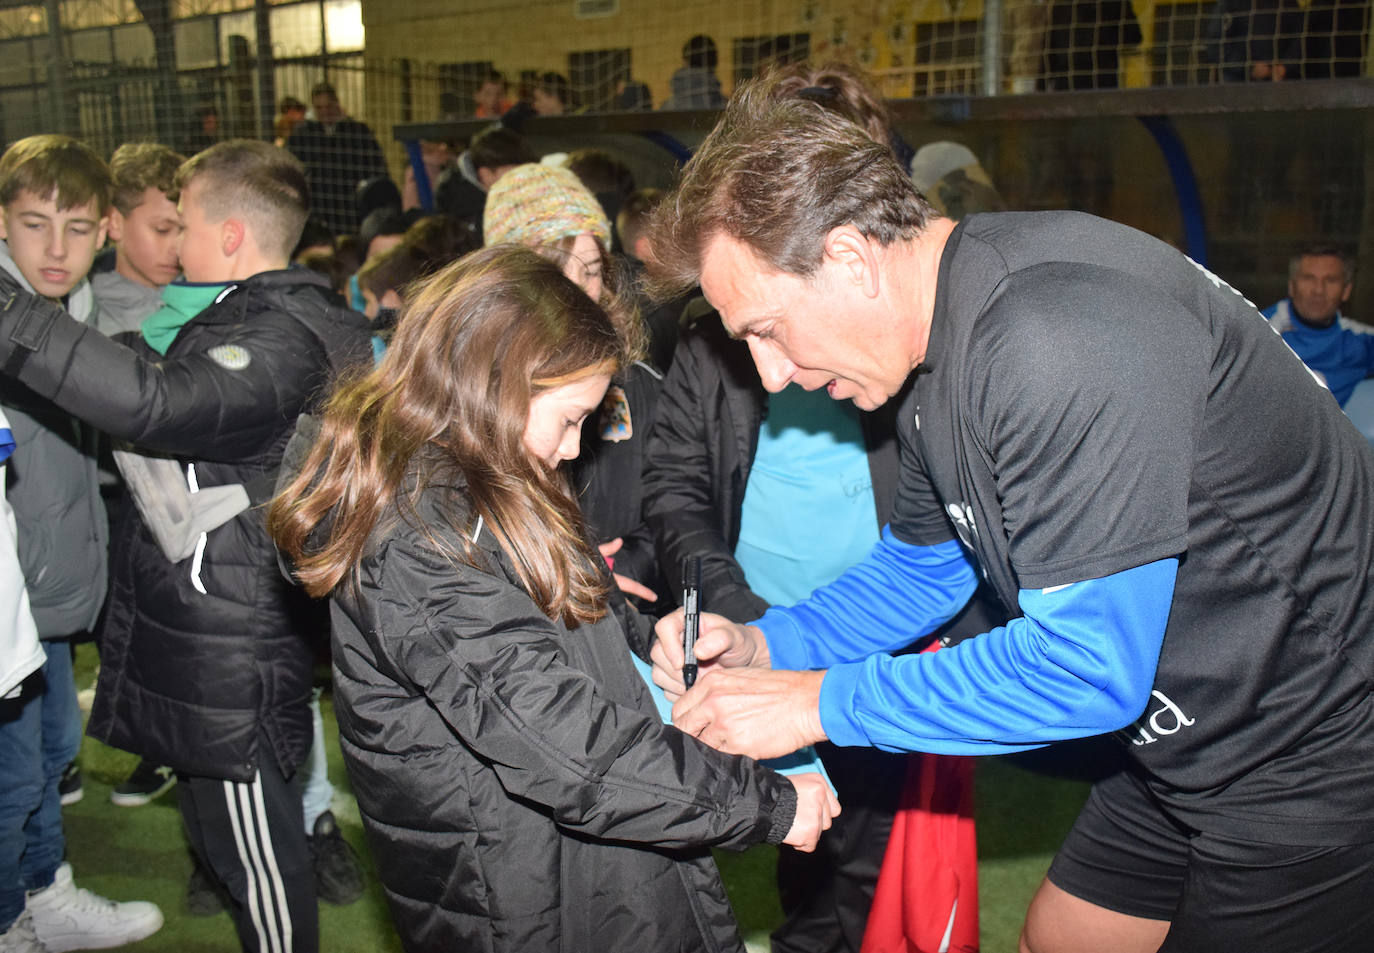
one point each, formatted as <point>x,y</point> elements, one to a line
<point>892,597</point>
<point>1080,662</point>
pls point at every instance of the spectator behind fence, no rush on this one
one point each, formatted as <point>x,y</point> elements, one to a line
<point>694,85</point>
<point>551,95</point>
<point>1255,40</point>
<point>489,100</point>
<point>338,153</point>
<point>1320,280</point>
<point>219,390</point>
<point>632,96</point>
<point>146,231</point>
<point>289,113</point>
<point>436,155</point>
<point>462,189</point>
<point>1140,467</point>
<point>205,131</point>
<point>54,197</point>
<point>518,784</point>
<point>547,208</point>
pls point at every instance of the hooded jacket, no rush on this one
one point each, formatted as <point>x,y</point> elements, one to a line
<point>519,790</point>
<point>54,488</point>
<point>202,658</point>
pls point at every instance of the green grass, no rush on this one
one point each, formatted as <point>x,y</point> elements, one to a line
<point>140,854</point>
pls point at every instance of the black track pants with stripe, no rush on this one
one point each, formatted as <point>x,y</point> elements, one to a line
<point>251,837</point>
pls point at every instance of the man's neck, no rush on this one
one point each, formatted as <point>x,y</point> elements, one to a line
<point>912,270</point>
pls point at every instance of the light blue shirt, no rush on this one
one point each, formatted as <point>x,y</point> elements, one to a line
<point>808,511</point>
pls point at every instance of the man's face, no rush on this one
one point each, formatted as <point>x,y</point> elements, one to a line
<point>147,239</point>
<point>1319,288</point>
<point>815,332</point>
<point>53,247</point>
<point>202,241</point>
<point>326,108</point>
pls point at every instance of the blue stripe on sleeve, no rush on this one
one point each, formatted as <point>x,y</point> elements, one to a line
<point>1080,662</point>
<point>889,599</point>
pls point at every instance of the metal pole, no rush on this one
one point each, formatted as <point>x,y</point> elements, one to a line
<point>992,47</point>
<point>60,109</point>
<point>266,68</point>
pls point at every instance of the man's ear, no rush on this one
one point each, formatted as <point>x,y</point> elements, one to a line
<point>115,225</point>
<point>856,255</point>
<point>232,234</point>
<point>1345,295</point>
<point>486,176</point>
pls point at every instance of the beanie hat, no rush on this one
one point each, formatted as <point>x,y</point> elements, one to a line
<point>540,204</point>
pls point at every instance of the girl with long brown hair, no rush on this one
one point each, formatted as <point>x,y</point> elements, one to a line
<point>518,788</point>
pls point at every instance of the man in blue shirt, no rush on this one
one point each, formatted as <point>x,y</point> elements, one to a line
<point>1091,430</point>
<point>1320,279</point>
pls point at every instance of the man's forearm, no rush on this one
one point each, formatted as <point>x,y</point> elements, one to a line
<point>895,595</point>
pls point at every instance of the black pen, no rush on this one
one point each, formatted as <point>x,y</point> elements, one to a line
<point>691,617</point>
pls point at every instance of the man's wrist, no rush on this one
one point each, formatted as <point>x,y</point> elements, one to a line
<point>760,657</point>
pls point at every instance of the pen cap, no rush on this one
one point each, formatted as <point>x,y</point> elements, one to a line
<point>691,572</point>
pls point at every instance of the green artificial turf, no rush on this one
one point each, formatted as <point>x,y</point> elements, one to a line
<point>140,854</point>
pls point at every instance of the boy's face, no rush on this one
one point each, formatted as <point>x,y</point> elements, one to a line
<point>147,240</point>
<point>53,247</point>
<point>202,241</point>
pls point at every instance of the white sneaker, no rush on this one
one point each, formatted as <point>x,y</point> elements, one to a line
<point>66,917</point>
<point>20,938</point>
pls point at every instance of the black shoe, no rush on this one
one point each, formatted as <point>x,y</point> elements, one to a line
<point>69,787</point>
<point>338,874</point>
<point>145,783</point>
<point>203,897</point>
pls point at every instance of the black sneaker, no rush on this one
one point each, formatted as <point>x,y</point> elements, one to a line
<point>145,783</point>
<point>338,873</point>
<point>203,897</point>
<point>69,787</point>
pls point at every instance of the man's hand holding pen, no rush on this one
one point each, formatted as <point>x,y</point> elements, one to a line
<point>738,705</point>
<point>741,706</point>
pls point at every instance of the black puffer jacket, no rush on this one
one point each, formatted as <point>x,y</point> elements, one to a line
<point>191,678</point>
<point>519,791</point>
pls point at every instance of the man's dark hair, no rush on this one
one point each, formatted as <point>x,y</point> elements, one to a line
<point>1324,250</point>
<point>324,88</point>
<point>700,52</point>
<point>289,103</point>
<point>778,175</point>
<point>495,76</point>
<point>498,146</point>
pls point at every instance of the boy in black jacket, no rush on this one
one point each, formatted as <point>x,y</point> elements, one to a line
<point>207,660</point>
